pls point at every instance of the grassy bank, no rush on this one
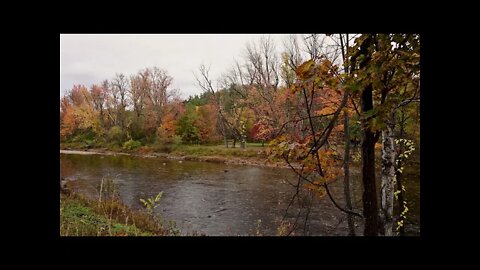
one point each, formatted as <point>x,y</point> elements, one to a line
<point>80,216</point>
<point>253,154</point>
<point>251,150</point>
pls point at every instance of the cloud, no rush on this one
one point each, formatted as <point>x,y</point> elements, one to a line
<point>90,59</point>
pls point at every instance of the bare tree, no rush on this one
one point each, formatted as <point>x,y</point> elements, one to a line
<point>99,96</point>
<point>156,89</point>
<point>120,88</point>
<point>320,47</point>
<point>111,102</point>
<point>293,52</point>
<point>206,85</point>
<point>137,92</point>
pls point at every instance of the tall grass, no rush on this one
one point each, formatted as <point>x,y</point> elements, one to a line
<point>108,216</point>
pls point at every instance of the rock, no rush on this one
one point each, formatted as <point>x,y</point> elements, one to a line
<point>225,170</point>
<point>164,164</point>
<point>180,161</point>
<point>63,187</point>
<point>209,216</point>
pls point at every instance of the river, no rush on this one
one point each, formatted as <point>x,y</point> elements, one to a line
<point>220,199</point>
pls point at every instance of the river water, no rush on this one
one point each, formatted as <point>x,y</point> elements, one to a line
<point>223,200</point>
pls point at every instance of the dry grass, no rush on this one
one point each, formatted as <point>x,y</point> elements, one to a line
<point>80,216</point>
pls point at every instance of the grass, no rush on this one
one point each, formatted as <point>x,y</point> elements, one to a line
<point>252,150</point>
<point>219,150</point>
<point>78,219</point>
<point>80,216</point>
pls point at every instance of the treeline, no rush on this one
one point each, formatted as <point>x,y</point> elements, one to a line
<point>252,101</point>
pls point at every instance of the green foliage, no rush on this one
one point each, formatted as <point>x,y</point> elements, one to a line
<point>219,150</point>
<point>131,144</point>
<point>198,100</point>
<point>187,129</point>
<point>176,140</point>
<point>151,203</point>
<point>83,135</point>
<point>116,134</point>
<point>89,143</point>
<point>78,218</point>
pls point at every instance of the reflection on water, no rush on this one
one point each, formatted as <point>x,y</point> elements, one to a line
<point>219,199</point>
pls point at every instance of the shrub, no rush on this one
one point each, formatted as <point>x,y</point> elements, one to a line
<point>177,140</point>
<point>83,135</point>
<point>89,143</point>
<point>131,144</point>
<point>115,134</point>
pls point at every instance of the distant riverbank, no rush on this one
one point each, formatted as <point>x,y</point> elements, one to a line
<point>193,156</point>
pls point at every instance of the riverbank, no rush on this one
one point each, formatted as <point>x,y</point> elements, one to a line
<point>80,216</point>
<point>253,156</point>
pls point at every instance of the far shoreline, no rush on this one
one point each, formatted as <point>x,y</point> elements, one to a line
<point>215,159</point>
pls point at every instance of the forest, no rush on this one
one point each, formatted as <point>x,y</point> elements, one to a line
<point>319,105</point>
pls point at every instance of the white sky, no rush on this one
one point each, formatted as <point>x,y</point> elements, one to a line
<point>90,59</point>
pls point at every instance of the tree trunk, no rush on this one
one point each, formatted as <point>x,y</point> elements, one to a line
<point>370,205</point>
<point>346,180</point>
<point>234,142</point>
<point>388,176</point>
<point>370,210</point>
<point>224,135</point>
<point>243,142</point>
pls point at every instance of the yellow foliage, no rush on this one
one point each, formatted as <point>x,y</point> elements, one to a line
<point>326,110</point>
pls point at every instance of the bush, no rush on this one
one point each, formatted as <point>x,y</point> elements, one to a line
<point>177,140</point>
<point>115,134</point>
<point>89,143</point>
<point>131,144</point>
<point>83,135</point>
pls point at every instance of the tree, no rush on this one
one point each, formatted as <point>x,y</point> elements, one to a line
<point>205,83</point>
<point>323,102</point>
<point>207,122</point>
<point>109,106</point>
<point>156,92</point>
<point>68,123</point>
<point>78,113</point>
<point>187,129</point>
<point>346,158</point>
<point>371,74</point>
<point>385,67</point>
<point>119,91</point>
<point>99,96</point>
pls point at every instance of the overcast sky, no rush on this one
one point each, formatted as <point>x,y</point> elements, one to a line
<point>90,59</point>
